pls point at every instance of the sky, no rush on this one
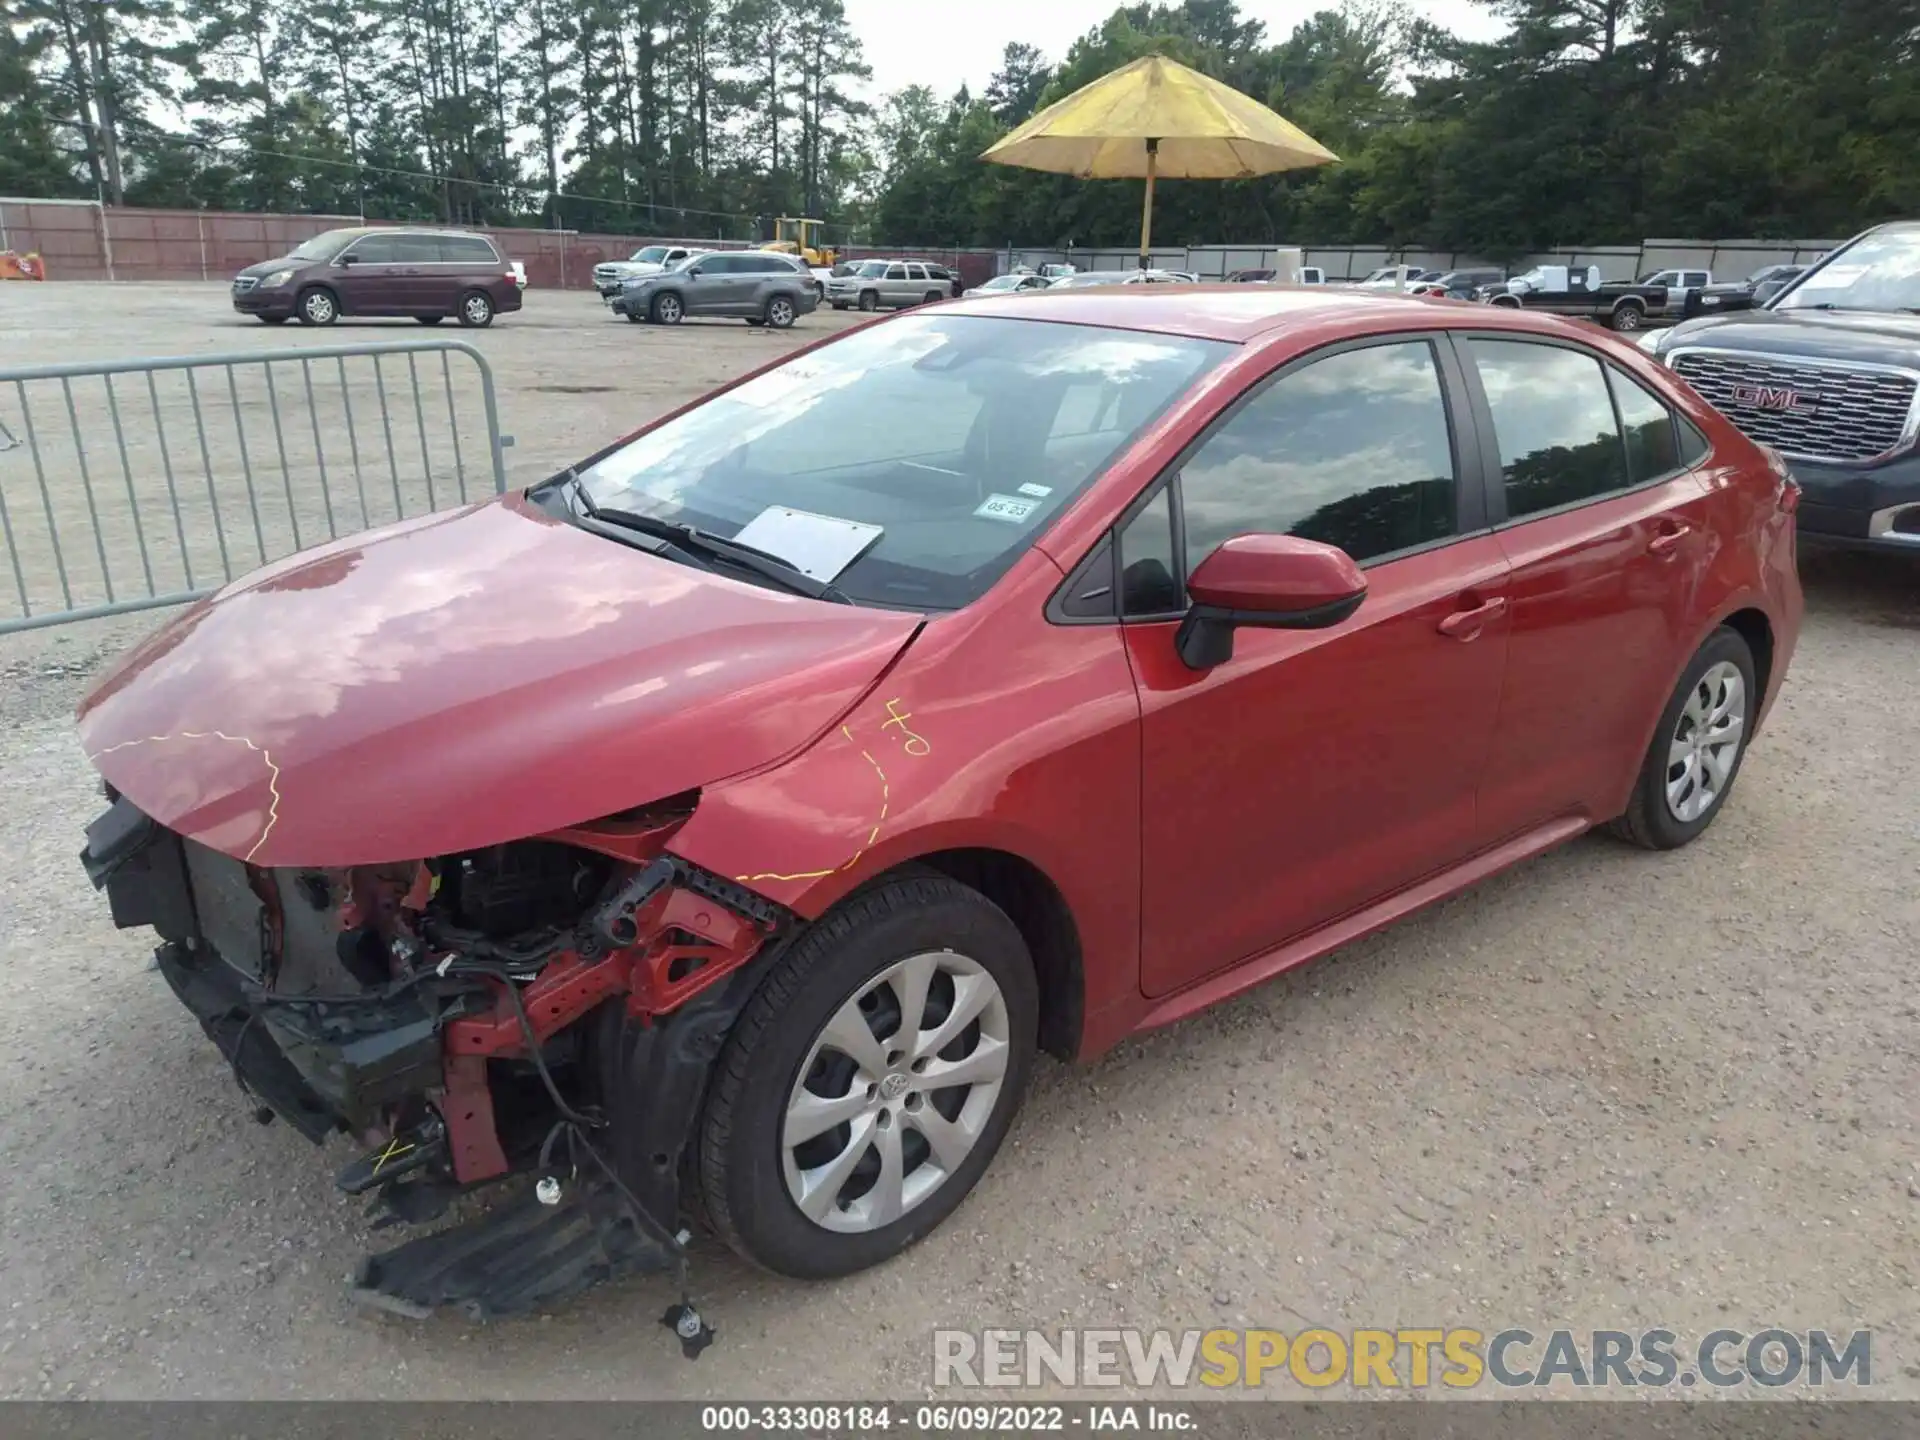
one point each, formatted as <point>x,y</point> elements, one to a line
<point>914,45</point>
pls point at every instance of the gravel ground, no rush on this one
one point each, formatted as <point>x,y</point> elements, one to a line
<point>1605,1090</point>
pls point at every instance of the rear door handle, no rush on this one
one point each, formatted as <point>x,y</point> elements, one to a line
<point>1467,624</point>
<point>1669,538</point>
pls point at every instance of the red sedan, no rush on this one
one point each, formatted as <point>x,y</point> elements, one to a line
<point>735,816</point>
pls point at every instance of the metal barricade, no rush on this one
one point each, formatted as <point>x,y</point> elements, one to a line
<point>131,484</point>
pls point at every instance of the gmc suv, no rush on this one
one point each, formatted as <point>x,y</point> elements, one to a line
<point>1828,374</point>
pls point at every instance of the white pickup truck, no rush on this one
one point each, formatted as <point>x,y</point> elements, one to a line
<point>649,260</point>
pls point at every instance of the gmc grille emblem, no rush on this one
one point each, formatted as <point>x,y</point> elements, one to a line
<point>1774,397</point>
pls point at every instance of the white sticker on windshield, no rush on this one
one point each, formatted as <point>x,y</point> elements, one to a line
<point>1006,507</point>
<point>1037,491</point>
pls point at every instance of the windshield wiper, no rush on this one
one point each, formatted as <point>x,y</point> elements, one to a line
<point>691,541</point>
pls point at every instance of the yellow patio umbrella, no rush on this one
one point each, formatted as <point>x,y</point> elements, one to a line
<point>1156,118</point>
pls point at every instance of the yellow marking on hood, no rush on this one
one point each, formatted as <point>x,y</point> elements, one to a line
<point>273,770</point>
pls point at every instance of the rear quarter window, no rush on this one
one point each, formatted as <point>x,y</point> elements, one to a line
<point>468,250</point>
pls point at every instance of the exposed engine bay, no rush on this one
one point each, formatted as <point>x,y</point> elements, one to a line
<point>548,1008</point>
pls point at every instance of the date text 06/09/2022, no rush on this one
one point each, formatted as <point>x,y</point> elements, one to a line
<point>881,1417</point>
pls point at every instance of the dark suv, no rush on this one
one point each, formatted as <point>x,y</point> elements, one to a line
<point>428,274</point>
<point>1826,373</point>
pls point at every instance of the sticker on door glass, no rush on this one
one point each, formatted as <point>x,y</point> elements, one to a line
<point>1010,508</point>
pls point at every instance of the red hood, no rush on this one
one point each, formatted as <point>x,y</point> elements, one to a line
<point>462,680</point>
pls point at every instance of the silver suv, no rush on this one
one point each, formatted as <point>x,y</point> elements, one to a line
<point>889,284</point>
<point>757,286</point>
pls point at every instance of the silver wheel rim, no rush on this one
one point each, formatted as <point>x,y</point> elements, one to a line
<point>319,307</point>
<point>895,1092</point>
<point>1706,742</point>
<point>476,308</point>
<point>782,312</point>
<point>669,309</point>
<point>1628,319</point>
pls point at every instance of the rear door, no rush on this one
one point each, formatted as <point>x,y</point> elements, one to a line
<point>894,286</point>
<point>1606,530</point>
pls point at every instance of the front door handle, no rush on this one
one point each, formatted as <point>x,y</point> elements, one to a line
<point>1669,538</point>
<point>1467,624</point>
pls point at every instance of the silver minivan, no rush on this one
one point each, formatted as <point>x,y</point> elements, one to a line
<point>889,285</point>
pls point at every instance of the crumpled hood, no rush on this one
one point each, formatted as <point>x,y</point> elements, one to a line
<point>462,680</point>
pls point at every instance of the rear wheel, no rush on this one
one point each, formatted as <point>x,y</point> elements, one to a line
<point>317,306</point>
<point>1697,748</point>
<point>870,1080</point>
<point>780,312</point>
<point>869,300</point>
<point>476,310</point>
<point>1627,315</point>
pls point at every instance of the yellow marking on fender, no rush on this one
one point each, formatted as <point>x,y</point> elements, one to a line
<point>872,835</point>
<point>911,739</point>
<point>273,770</point>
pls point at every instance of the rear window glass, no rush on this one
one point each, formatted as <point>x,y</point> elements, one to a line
<point>1647,424</point>
<point>961,437</point>
<point>468,249</point>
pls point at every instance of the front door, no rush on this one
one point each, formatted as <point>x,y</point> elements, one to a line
<point>1315,771</point>
<point>1602,523</point>
<point>372,280</point>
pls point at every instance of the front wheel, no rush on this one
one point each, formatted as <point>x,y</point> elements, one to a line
<point>317,307</point>
<point>1697,748</point>
<point>869,300</point>
<point>870,1080</point>
<point>476,310</point>
<point>667,310</point>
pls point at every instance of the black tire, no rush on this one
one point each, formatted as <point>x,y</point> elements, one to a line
<point>475,310</point>
<point>1649,821</point>
<point>869,300</point>
<point>781,312</point>
<point>1627,316</point>
<point>1506,302</point>
<point>317,305</point>
<point>742,1183</point>
<point>273,319</point>
<point>666,309</point>
<point>839,304</point>
<point>932,297</point>
<point>429,319</point>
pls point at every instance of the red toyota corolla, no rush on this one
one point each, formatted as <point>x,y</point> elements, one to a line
<point>732,818</point>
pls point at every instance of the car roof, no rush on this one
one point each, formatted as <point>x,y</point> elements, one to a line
<point>1241,314</point>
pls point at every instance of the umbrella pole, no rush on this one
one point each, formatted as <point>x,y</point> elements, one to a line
<point>1146,210</point>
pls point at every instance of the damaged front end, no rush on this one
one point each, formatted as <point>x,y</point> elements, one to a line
<point>549,1007</point>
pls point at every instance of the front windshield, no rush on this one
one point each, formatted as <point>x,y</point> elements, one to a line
<point>1877,272</point>
<point>1533,277</point>
<point>958,437</point>
<point>1111,277</point>
<point>324,247</point>
<point>870,269</point>
<point>652,255</point>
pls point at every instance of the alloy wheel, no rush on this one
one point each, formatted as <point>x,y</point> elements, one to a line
<point>1706,742</point>
<point>318,308</point>
<point>477,309</point>
<point>780,313</point>
<point>895,1092</point>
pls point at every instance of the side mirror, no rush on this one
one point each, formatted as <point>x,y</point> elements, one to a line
<point>1276,582</point>
<point>693,272</point>
<point>349,258</point>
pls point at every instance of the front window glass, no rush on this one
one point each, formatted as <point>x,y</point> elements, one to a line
<point>1880,272</point>
<point>961,437</point>
<point>1353,450</point>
